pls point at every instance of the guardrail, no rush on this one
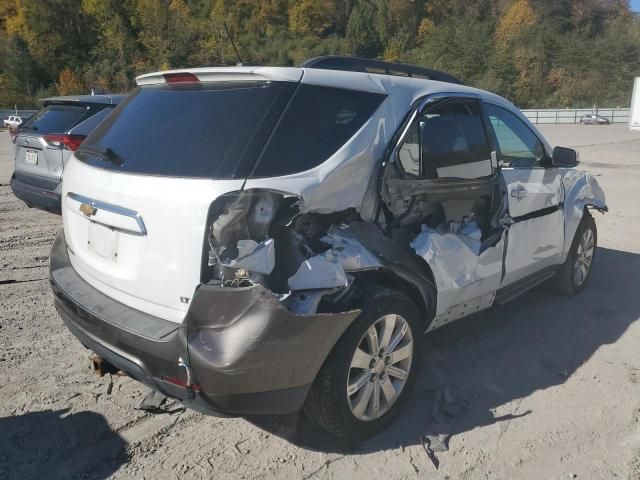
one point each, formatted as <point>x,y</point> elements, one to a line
<point>573,115</point>
<point>537,116</point>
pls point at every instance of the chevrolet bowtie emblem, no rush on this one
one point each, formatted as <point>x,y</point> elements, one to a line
<point>88,210</point>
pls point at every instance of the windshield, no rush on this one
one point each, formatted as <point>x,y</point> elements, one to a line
<point>213,130</point>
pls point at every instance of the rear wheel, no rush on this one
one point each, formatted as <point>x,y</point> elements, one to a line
<point>573,275</point>
<point>369,374</point>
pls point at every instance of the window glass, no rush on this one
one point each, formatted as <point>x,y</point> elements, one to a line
<point>58,118</point>
<point>454,142</point>
<point>87,126</point>
<point>208,130</point>
<point>317,122</point>
<point>518,146</point>
<point>409,153</point>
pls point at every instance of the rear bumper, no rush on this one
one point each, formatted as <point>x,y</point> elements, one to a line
<point>247,353</point>
<point>36,196</point>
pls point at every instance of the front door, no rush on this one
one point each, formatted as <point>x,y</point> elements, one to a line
<point>535,196</point>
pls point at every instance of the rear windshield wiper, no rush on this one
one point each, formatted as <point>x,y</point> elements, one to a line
<point>105,153</point>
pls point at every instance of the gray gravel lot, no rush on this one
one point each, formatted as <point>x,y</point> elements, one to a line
<point>552,383</point>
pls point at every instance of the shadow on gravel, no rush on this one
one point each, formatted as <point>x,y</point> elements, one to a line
<point>57,444</point>
<point>499,356</point>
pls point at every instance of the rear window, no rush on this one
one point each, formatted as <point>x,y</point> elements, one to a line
<point>59,118</point>
<point>211,130</point>
<point>318,121</point>
<point>87,126</point>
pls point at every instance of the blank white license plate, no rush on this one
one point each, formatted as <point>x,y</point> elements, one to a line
<point>31,157</point>
<point>103,241</point>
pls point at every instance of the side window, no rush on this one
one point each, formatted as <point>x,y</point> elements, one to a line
<point>450,141</point>
<point>316,124</point>
<point>518,145</point>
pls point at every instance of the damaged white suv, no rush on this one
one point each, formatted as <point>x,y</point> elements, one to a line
<point>288,245</point>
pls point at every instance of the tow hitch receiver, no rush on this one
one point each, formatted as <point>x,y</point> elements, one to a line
<point>101,367</point>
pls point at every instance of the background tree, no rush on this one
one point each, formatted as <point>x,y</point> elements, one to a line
<point>556,53</point>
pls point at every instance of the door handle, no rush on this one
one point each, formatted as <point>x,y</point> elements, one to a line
<point>519,192</point>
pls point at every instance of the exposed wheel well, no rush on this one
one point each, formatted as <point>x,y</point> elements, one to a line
<point>389,279</point>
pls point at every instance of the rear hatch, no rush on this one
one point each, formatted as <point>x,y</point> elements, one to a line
<point>43,144</point>
<point>136,194</point>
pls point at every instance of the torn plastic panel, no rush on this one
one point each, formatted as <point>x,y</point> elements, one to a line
<point>349,251</point>
<point>320,271</point>
<point>254,256</point>
<point>260,237</point>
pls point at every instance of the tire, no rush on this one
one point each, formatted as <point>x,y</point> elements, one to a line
<point>329,404</point>
<point>567,281</point>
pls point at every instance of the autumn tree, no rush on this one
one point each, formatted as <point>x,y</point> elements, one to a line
<point>69,83</point>
<point>312,17</point>
<point>515,22</point>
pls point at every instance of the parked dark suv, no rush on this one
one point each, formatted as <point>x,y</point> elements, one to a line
<point>45,142</point>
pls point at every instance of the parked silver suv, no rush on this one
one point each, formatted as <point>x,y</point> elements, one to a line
<point>289,244</point>
<point>45,142</point>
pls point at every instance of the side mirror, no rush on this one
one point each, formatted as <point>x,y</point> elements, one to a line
<point>564,157</point>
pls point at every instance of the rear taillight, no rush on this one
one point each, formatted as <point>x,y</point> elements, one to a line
<point>181,77</point>
<point>71,142</point>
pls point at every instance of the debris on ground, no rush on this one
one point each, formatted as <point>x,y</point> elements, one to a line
<point>152,402</point>
<point>446,408</point>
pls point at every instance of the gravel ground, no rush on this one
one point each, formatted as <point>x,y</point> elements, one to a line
<point>552,383</point>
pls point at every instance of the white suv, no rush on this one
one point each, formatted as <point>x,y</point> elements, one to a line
<point>288,246</point>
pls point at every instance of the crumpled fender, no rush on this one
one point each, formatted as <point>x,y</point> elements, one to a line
<point>581,190</point>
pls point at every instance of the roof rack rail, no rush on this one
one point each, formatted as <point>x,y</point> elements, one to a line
<point>356,64</point>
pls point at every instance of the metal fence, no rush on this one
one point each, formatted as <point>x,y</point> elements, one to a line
<point>551,115</point>
<point>21,113</point>
<point>573,115</point>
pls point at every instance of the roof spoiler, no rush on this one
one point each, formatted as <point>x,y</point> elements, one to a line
<point>356,64</point>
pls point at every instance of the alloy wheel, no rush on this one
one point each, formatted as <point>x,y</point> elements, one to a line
<point>380,367</point>
<point>584,257</point>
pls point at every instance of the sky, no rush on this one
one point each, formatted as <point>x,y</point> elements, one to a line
<point>635,5</point>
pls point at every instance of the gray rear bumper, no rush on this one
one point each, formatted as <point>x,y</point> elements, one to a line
<point>36,196</point>
<point>247,353</point>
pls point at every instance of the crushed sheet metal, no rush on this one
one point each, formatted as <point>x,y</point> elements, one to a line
<point>254,256</point>
<point>460,273</point>
<point>350,252</point>
<point>457,267</point>
<point>581,190</point>
<point>321,271</point>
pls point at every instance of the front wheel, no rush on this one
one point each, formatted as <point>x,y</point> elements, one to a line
<point>368,376</point>
<point>573,274</point>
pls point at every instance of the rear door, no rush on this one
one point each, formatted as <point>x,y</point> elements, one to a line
<point>535,196</point>
<point>137,193</point>
<point>446,162</point>
<point>39,158</point>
